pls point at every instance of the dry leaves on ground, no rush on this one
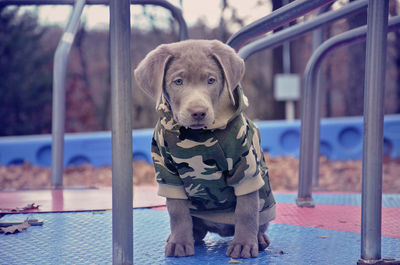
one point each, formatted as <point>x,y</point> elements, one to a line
<point>15,228</point>
<point>342,176</point>
<point>30,206</point>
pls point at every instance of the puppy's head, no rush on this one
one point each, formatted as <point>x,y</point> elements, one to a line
<point>191,75</point>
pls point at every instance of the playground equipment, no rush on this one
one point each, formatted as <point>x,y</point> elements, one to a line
<point>373,124</point>
<point>373,121</point>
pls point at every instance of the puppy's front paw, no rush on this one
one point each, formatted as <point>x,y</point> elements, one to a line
<point>179,248</point>
<point>243,250</point>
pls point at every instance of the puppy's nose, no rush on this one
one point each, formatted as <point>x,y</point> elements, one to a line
<point>198,113</point>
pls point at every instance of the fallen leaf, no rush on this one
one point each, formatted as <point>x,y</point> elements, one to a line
<point>233,261</point>
<point>31,206</point>
<point>15,228</point>
<point>32,222</point>
<point>273,251</point>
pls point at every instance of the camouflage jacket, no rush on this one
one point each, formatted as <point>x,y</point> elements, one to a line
<point>210,167</point>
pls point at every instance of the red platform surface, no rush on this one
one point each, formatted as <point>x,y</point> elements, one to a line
<point>345,218</point>
<point>71,200</point>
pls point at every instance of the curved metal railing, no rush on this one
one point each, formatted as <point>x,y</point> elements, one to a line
<point>292,32</point>
<point>309,142</point>
<point>274,20</point>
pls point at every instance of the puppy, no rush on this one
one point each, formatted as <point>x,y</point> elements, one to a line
<point>206,152</point>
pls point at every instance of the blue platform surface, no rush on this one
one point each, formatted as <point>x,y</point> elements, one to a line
<point>341,139</point>
<point>85,238</point>
<point>388,200</point>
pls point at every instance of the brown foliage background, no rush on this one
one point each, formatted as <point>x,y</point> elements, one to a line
<point>333,175</point>
<point>88,78</point>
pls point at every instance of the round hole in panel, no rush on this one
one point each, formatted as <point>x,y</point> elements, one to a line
<point>350,137</point>
<point>139,156</point>
<point>325,149</point>
<point>43,156</point>
<point>290,140</point>
<point>78,160</point>
<point>387,146</point>
<point>16,162</point>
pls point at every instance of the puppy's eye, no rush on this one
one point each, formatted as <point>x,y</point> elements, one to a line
<point>178,81</point>
<point>211,80</point>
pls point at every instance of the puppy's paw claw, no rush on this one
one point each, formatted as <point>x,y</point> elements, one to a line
<point>179,250</point>
<point>263,241</point>
<point>244,251</point>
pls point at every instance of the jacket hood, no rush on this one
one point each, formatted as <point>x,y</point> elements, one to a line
<point>225,111</point>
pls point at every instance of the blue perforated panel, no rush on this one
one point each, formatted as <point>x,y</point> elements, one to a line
<point>85,238</point>
<point>341,139</point>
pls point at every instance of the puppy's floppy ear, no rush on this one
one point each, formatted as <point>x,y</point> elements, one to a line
<point>149,74</point>
<point>232,65</point>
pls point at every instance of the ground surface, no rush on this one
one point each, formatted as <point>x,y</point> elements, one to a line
<point>334,176</point>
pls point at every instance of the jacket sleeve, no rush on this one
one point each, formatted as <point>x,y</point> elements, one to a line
<point>246,172</point>
<point>170,184</point>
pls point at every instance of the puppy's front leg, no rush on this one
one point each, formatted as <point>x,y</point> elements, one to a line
<point>245,242</point>
<point>180,242</point>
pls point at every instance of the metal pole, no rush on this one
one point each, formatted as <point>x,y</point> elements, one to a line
<point>59,74</point>
<point>121,107</point>
<point>375,67</point>
<point>318,38</point>
<point>289,104</point>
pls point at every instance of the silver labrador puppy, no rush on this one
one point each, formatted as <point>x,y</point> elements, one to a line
<point>206,152</point>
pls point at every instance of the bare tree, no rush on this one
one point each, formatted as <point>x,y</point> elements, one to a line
<point>394,7</point>
<point>355,90</point>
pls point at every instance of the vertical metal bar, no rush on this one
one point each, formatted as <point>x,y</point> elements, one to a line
<point>373,130</point>
<point>317,40</point>
<point>121,107</point>
<point>318,37</point>
<point>289,104</point>
<point>286,50</point>
<point>309,143</point>
<point>59,76</point>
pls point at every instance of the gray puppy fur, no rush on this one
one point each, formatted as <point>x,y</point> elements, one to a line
<point>197,106</point>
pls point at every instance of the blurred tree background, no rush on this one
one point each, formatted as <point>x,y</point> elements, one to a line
<point>26,64</point>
